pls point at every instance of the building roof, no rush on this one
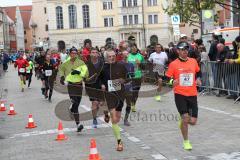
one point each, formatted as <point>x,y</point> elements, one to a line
<point>25,13</point>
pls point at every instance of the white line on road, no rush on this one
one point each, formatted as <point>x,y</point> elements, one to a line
<point>220,112</point>
<point>53,131</point>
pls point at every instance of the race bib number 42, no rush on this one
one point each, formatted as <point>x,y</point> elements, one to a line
<point>22,70</point>
<point>186,79</point>
<point>48,72</point>
<point>114,85</point>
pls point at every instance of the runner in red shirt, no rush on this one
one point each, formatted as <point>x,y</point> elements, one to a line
<point>86,50</point>
<point>184,71</point>
<point>21,64</point>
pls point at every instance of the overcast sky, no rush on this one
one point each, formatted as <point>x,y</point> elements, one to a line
<point>4,3</point>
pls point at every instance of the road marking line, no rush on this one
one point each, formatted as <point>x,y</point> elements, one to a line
<point>53,131</point>
<point>158,156</point>
<point>220,112</point>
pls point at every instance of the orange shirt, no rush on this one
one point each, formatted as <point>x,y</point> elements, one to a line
<point>185,73</point>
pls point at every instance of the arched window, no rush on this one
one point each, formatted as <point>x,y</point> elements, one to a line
<point>59,17</point>
<point>86,18</point>
<point>72,16</point>
<point>153,40</point>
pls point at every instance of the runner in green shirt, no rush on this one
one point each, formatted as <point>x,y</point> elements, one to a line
<point>138,61</point>
<point>29,71</point>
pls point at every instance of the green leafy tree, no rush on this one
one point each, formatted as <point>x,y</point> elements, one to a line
<point>190,10</point>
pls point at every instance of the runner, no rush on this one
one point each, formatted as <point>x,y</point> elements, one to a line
<point>159,60</point>
<point>39,60</point>
<point>137,60</point>
<point>48,73</point>
<point>86,50</point>
<point>29,71</point>
<point>113,77</point>
<point>93,83</point>
<point>63,56</point>
<point>183,71</point>
<point>21,64</point>
<point>128,86</point>
<point>74,71</point>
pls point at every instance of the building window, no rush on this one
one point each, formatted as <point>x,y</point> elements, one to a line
<point>135,3</point>
<point>108,22</point>
<point>129,3</point>
<point>45,10</point>
<point>107,5</point>
<point>150,21</point>
<point>130,19</point>
<point>59,17</point>
<point>152,2</point>
<point>25,40</point>
<point>153,19</point>
<point>86,20</point>
<point>46,27</point>
<point>25,32</point>
<point>125,20</point>
<point>124,3</point>
<point>72,16</point>
<point>135,19</point>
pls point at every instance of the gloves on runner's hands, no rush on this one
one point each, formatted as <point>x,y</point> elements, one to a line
<point>75,72</point>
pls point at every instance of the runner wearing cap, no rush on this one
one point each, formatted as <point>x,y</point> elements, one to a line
<point>183,71</point>
<point>21,64</point>
<point>73,71</point>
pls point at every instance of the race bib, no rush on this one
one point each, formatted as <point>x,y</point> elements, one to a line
<point>22,70</point>
<point>28,71</point>
<point>48,72</point>
<point>114,85</point>
<point>186,79</point>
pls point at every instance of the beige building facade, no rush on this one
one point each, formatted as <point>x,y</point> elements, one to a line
<point>39,23</point>
<point>72,21</point>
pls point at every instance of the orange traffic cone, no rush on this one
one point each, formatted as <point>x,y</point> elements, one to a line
<point>2,107</point>
<point>93,151</point>
<point>60,136</point>
<point>31,123</point>
<point>11,111</point>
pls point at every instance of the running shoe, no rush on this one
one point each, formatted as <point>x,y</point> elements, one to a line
<point>80,128</point>
<point>106,117</point>
<point>158,98</point>
<point>187,145</point>
<point>120,147</point>
<point>127,123</point>
<point>95,123</point>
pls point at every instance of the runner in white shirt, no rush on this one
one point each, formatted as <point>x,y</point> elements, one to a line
<point>159,59</point>
<point>63,56</point>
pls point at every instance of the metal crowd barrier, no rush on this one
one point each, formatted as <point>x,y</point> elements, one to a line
<point>221,76</point>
